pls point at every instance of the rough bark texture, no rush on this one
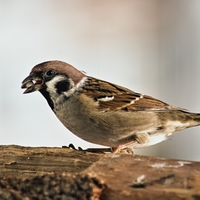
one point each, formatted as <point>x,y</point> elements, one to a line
<point>62,173</point>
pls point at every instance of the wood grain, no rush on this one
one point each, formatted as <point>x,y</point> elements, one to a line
<point>62,171</point>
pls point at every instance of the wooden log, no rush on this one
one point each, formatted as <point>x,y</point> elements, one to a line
<point>50,173</point>
<point>142,177</point>
<point>23,162</point>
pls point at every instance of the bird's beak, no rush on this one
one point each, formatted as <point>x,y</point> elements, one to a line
<point>32,84</point>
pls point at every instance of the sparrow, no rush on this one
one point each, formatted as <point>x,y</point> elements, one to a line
<point>104,113</point>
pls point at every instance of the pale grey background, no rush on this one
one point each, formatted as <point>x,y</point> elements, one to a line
<point>150,46</point>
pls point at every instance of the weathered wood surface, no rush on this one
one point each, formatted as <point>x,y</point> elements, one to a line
<point>142,177</point>
<point>32,161</point>
<point>36,172</point>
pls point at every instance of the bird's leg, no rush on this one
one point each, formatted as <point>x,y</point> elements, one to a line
<point>128,143</point>
<point>124,148</point>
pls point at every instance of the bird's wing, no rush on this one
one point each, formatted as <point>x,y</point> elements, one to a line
<point>114,97</point>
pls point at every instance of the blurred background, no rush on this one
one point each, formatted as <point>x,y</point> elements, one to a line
<point>150,46</point>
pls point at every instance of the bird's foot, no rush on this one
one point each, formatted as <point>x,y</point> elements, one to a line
<point>92,150</point>
<point>123,149</point>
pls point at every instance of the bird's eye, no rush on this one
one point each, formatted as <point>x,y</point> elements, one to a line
<point>49,73</point>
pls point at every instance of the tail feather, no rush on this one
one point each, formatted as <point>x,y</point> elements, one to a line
<point>193,119</point>
<point>188,118</point>
<point>176,120</point>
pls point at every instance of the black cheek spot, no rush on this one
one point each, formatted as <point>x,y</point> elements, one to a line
<point>62,86</point>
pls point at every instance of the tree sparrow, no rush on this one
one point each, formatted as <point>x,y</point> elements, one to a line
<point>105,113</point>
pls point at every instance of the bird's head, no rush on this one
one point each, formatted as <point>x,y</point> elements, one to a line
<point>52,79</point>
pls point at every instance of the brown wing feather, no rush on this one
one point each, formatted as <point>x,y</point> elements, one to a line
<point>124,99</point>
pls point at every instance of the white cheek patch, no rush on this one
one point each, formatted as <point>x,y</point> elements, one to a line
<point>51,89</point>
<point>75,88</point>
<point>59,98</point>
<point>51,84</point>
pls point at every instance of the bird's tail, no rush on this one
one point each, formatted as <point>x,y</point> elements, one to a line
<point>179,119</point>
<point>192,119</point>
